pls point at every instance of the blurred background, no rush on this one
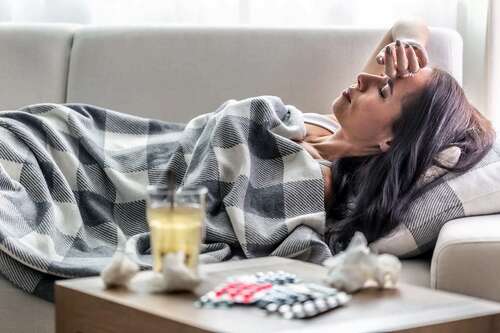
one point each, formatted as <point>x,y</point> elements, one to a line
<point>476,20</point>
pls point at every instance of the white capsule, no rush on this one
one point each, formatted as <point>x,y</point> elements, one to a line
<point>332,302</point>
<point>321,304</point>
<point>284,308</point>
<point>272,307</point>
<point>310,309</point>
<point>299,314</point>
<point>343,298</point>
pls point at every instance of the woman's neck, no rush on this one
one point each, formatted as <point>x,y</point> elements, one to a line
<point>339,145</point>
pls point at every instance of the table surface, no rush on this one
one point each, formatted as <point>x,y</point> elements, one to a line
<point>369,310</point>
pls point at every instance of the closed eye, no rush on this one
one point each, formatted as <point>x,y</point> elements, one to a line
<point>383,91</point>
<point>389,85</point>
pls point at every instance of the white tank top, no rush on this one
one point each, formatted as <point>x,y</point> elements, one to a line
<point>322,121</point>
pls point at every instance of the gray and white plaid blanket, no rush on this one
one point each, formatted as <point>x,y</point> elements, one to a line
<point>73,181</point>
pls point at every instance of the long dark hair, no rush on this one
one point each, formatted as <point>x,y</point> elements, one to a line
<point>370,194</point>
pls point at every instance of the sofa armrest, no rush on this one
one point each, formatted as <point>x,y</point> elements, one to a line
<point>466,257</point>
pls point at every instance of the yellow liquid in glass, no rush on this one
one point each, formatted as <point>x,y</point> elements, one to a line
<point>174,230</point>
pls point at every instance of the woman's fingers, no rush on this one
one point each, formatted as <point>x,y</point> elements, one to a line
<point>390,66</point>
<point>380,57</point>
<point>402,60</point>
<point>423,58</point>
<point>413,65</point>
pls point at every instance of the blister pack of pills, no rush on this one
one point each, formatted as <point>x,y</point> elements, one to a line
<point>278,293</point>
<point>303,300</point>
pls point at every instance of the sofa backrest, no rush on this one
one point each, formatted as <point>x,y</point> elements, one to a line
<point>34,62</point>
<point>175,73</point>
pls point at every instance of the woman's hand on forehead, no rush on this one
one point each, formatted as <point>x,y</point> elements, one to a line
<point>402,59</point>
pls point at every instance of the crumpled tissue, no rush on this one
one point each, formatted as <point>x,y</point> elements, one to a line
<point>176,276</point>
<point>350,270</point>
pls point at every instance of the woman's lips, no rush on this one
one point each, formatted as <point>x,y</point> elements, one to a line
<point>346,94</point>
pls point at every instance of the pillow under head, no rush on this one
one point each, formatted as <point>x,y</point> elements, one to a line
<point>474,192</point>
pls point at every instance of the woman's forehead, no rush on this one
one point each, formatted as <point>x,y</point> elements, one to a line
<point>402,86</point>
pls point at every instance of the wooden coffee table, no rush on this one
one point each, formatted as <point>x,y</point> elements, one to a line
<point>83,306</point>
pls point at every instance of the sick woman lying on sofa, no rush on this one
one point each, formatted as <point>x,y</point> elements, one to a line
<point>73,177</point>
<point>387,129</point>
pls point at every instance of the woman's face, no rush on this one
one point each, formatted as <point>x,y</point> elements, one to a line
<point>366,111</point>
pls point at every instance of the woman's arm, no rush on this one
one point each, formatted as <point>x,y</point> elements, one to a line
<point>414,30</point>
<point>411,31</point>
<point>372,66</point>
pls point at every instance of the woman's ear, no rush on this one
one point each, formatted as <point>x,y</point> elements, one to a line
<point>385,145</point>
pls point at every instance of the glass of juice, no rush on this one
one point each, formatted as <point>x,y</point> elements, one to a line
<point>175,218</point>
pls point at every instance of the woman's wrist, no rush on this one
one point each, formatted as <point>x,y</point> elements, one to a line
<point>411,30</point>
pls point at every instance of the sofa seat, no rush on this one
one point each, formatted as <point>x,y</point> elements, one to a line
<point>416,272</point>
<point>22,312</point>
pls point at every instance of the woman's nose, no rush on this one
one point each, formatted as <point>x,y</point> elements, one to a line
<point>366,80</point>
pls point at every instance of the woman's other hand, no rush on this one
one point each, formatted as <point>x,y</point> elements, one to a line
<point>402,58</point>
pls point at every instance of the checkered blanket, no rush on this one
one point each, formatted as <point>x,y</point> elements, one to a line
<point>73,181</point>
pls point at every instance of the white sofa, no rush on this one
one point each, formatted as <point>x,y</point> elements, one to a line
<point>175,73</point>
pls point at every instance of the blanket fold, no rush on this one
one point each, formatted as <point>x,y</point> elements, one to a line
<point>73,181</point>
